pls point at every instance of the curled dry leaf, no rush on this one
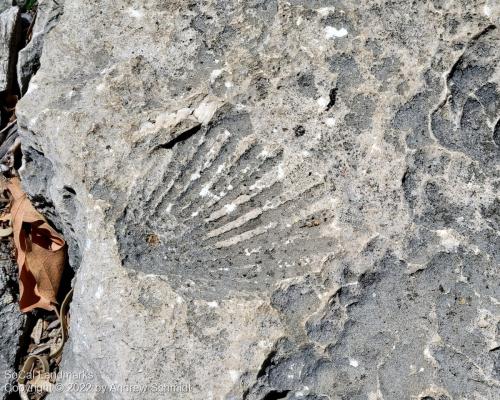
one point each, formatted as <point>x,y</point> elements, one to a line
<point>40,252</point>
<point>54,324</point>
<point>36,334</point>
<point>5,217</point>
<point>5,228</point>
<point>4,232</point>
<point>41,382</point>
<point>41,349</point>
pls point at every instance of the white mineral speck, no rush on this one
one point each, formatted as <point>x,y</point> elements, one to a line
<point>215,74</point>
<point>234,375</point>
<point>135,13</point>
<point>324,11</point>
<point>331,32</point>
<point>281,172</point>
<point>303,392</point>
<point>448,239</point>
<point>205,111</point>
<point>330,122</point>
<point>323,102</point>
<point>205,191</point>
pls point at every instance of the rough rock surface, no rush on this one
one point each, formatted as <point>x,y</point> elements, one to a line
<point>270,199</point>
<point>47,15</point>
<point>11,320</point>
<point>5,4</point>
<point>9,26</point>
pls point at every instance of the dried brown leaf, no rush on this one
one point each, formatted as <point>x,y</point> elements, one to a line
<point>41,349</point>
<point>4,232</point>
<point>54,324</point>
<point>40,252</point>
<point>41,382</point>
<point>36,334</point>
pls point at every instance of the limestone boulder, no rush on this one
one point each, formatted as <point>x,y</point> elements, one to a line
<point>270,199</point>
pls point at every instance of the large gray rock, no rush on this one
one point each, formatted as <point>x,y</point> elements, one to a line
<point>47,15</point>
<point>9,39</point>
<point>11,321</point>
<point>5,4</point>
<point>271,199</point>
